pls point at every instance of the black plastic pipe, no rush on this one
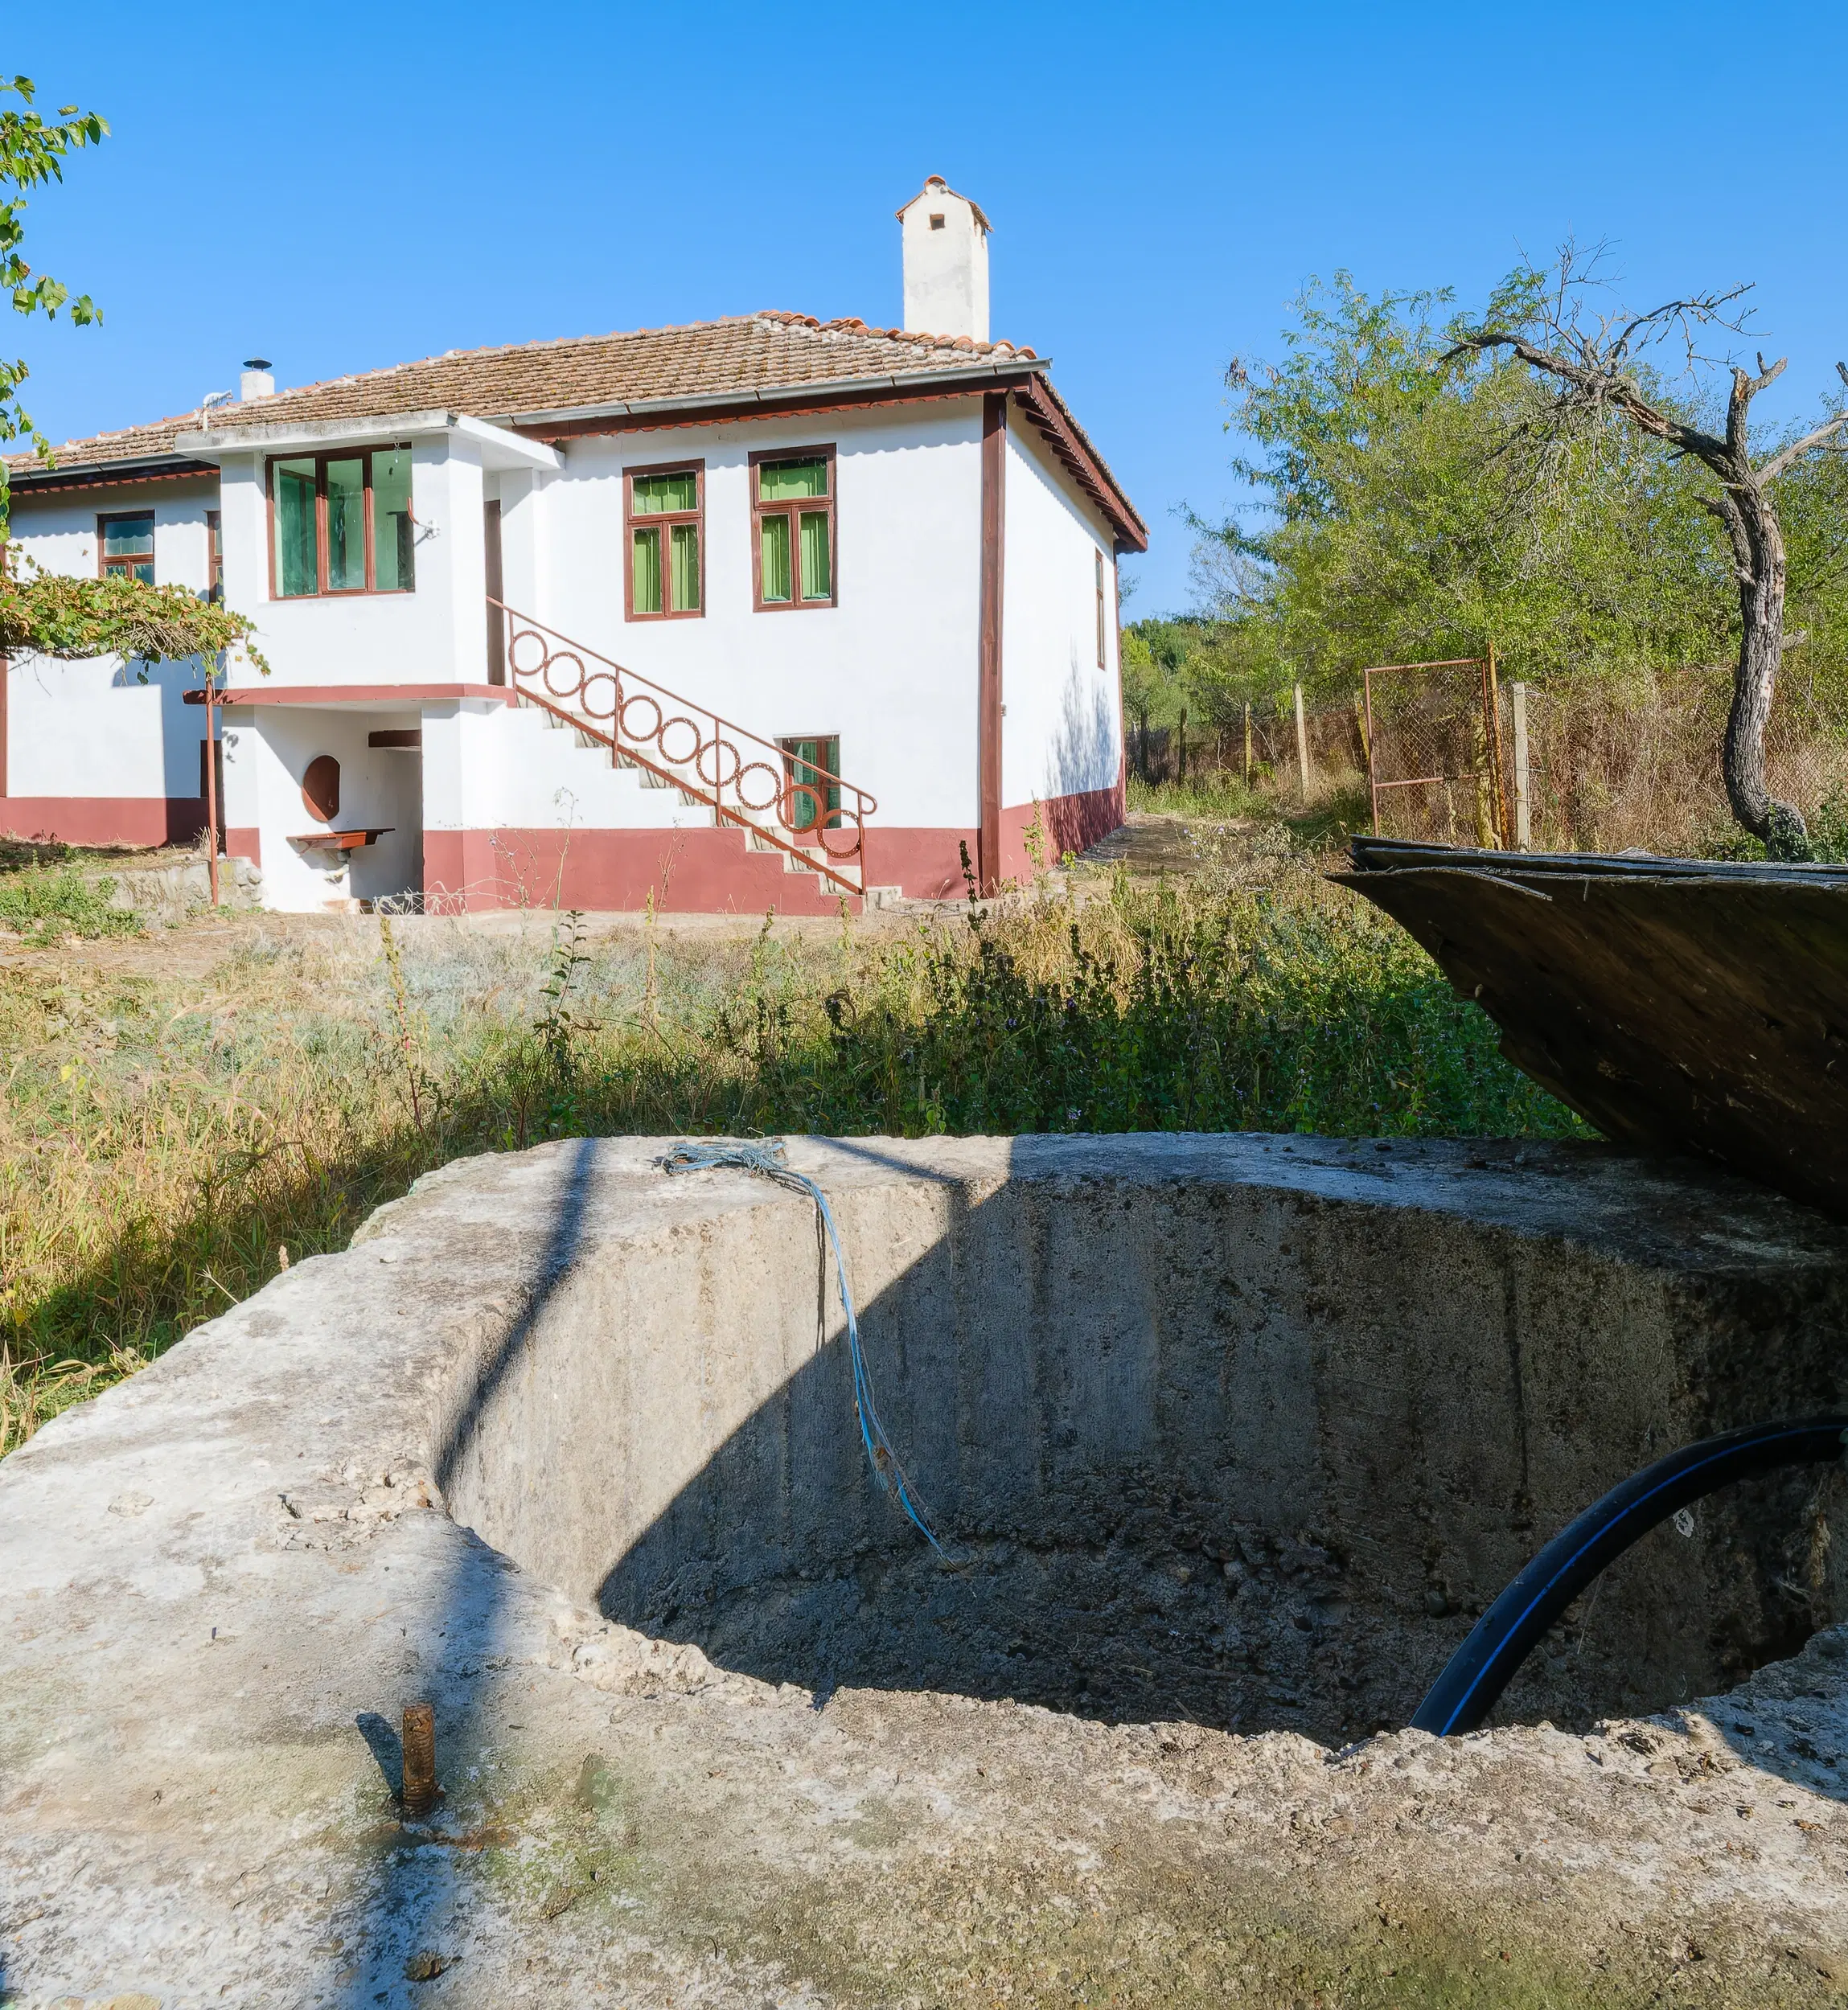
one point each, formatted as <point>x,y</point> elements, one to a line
<point>1486,1663</point>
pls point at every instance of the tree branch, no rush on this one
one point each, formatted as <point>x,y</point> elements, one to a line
<point>1731,515</point>
<point>1785,457</point>
<point>1596,384</point>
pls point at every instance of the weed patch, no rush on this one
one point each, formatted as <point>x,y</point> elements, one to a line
<point>162,1141</point>
<point>46,903</point>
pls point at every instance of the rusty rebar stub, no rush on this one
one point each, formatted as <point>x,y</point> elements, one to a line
<point>421,1792</point>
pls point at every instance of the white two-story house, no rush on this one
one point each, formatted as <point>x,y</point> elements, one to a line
<point>758,612</point>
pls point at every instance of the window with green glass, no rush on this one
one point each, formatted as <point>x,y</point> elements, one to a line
<point>293,487</point>
<point>793,496</point>
<point>343,523</point>
<point>663,510</point>
<point>347,526</point>
<point>127,546</point>
<point>394,528</point>
<point>811,769</point>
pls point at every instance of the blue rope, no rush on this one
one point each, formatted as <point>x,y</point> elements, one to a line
<point>769,1159</point>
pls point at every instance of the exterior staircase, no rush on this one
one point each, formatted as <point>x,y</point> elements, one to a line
<point>739,778</point>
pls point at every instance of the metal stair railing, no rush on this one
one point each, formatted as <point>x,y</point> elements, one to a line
<point>741,778</point>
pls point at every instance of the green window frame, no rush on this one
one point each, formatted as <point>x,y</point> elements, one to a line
<point>664,542</point>
<point>794,548</point>
<point>341,522</point>
<point>811,775</point>
<point>125,546</point>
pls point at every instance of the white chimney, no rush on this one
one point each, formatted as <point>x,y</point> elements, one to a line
<point>257,381</point>
<point>945,238</point>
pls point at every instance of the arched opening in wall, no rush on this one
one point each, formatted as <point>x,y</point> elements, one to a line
<point>320,788</point>
<point>1198,1452</point>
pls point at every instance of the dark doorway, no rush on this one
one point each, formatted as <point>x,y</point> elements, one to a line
<point>496,618</point>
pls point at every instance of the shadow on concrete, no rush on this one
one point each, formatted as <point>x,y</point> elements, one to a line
<point>386,1747</point>
<point>1122,1545</point>
<point>415,1886</point>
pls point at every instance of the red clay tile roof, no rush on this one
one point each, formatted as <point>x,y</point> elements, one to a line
<point>743,353</point>
<point>740,354</point>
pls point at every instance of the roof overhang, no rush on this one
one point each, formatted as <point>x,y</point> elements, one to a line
<point>499,450</point>
<point>959,382</point>
<point>531,439</point>
<point>357,697</point>
<point>165,467</point>
<point>1046,411</point>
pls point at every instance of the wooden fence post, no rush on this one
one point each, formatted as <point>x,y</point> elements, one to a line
<point>1523,793</point>
<point>1302,745</point>
<point>1247,743</point>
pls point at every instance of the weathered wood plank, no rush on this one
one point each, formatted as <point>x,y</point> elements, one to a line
<point>1674,1006</point>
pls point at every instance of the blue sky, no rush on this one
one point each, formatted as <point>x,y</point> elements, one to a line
<point>341,190</point>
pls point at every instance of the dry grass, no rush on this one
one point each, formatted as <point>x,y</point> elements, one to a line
<point>1614,766</point>
<point>172,1136</point>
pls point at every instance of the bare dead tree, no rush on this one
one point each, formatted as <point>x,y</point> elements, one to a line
<point>1595,361</point>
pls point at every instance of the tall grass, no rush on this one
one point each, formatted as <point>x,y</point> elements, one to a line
<point>166,1144</point>
<point>1336,807</point>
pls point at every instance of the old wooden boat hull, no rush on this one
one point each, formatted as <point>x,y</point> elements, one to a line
<point>1677,1004</point>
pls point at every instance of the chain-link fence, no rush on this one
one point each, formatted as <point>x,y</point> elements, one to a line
<point>1611,770</point>
<point>1450,753</point>
<point>1439,758</point>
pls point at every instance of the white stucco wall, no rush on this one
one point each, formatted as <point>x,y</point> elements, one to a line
<point>101,728</point>
<point>267,750</point>
<point>490,767</point>
<point>1063,733</point>
<point>891,669</point>
<point>436,633</point>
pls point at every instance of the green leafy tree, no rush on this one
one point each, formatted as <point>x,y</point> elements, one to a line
<point>1567,487</point>
<point>1595,365</point>
<point>1417,503</point>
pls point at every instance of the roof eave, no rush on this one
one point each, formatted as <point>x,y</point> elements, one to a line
<point>1052,418</point>
<point>963,378</point>
<point>142,467</point>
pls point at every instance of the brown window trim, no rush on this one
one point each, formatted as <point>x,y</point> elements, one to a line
<point>215,556</point>
<point>696,516</point>
<point>1102,654</point>
<point>825,818</point>
<point>121,516</point>
<point>795,604</point>
<point>323,591</point>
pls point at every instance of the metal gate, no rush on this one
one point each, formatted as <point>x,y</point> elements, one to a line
<point>1437,767</point>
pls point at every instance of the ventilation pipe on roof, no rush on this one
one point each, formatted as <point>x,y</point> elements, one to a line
<point>257,381</point>
<point>944,239</point>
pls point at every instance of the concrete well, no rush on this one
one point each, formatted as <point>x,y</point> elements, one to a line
<point>1221,1436</point>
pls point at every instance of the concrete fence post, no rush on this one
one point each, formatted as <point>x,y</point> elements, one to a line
<point>1523,795</point>
<point>1302,745</point>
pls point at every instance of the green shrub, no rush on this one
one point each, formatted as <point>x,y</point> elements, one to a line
<point>46,903</point>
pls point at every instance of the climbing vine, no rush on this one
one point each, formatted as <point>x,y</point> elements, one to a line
<point>64,618</point>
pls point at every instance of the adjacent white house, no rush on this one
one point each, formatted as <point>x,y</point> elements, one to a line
<point>758,612</point>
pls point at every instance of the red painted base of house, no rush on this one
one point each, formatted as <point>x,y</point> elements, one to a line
<point>697,871</point>
<point>132,821</point>
<point>715,872</point>
<point>1066,823</point>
